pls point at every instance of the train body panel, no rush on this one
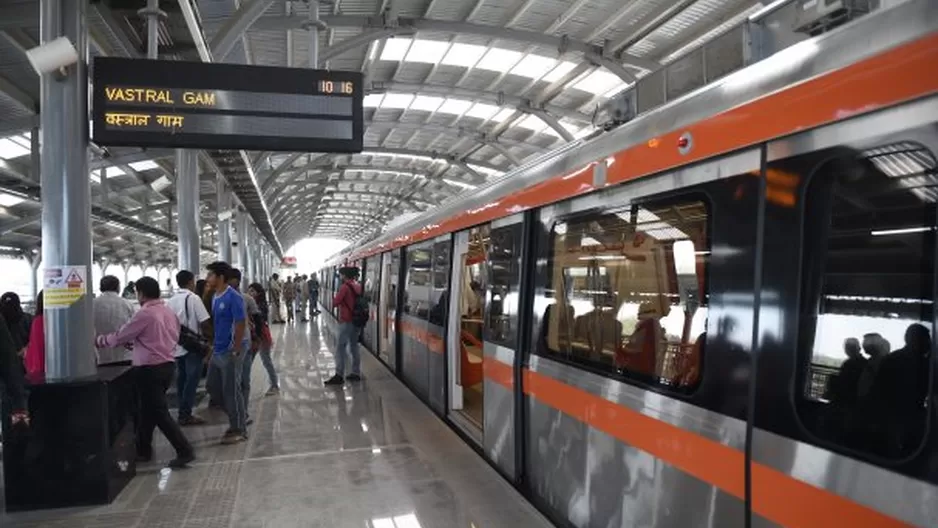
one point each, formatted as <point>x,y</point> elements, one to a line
<point>672,349</point>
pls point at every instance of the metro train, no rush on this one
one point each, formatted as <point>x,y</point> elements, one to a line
<point>720,313</point>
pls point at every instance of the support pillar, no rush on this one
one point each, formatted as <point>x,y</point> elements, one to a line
<point>242,241</point>
<point>224,226</point>
<point>314,24</point>
<point>187,205</point>
<point>34,262</point>
<point>66,191</point>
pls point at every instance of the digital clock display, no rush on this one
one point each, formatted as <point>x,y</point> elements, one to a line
<point>175,104</point>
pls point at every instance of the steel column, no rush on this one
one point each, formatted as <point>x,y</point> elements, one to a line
<point>66,191</point>
<point>152,13</point>
<point>187,207</point>
<point>34,262</point>
<point>224,226</point>
<point>242,240</point>
<point>313,29</point>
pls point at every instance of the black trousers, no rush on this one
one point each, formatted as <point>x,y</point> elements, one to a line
<point>152,383</point>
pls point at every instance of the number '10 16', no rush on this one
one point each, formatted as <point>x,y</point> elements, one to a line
<point>330,87</point>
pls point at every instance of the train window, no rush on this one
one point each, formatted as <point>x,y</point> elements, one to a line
<point>372,269</point>
<point>504,264</point>
<point>439,296</point>
<point>868,307</point>
<point>626,292</point>
<point>419,282</point>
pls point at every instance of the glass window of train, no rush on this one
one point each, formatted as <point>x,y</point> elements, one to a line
<point>504,280</point>
<point>419,282</point>
<point>439,296</point>
<point>626,292</point>
<point>869,299</point>
<point>371,278</point>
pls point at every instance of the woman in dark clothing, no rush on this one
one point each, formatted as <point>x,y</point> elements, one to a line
<point>18,322</point>
<point>263,337</point>
<point>11,378</point>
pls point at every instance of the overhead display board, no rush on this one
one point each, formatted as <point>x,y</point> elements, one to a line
<point>175,104</point>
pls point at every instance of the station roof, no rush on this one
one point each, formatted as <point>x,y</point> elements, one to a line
<point>457,92</point>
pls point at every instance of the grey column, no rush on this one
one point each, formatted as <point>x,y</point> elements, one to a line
<point>66,191</point>
<point>187,205</point>
<point>242,241</point>
<point>313,28</point>
<point>224,226</point>
<point>34,262</point>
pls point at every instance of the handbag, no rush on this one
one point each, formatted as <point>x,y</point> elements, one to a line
<point>191,341</point>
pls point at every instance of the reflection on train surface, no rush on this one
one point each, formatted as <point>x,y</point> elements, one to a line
<point>733,330</point>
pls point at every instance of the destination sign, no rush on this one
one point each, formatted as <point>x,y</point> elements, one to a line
<point>149,103</point>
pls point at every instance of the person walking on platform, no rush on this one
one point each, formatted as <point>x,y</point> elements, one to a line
<point>11,378</point>
<point>275,290</point>
<point>153,331</point>
<point>302,297</point>
<point>346,299</point>
<point>230,321</point>
<point>289,294</point>
<point>265,341</point>
<point>192,314</point>
<point>111,312</point>
<point>250,342</point>
<point>313,295</point>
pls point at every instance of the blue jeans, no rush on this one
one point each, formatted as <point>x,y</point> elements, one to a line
<point>269,366</point>
<point>230,367</point>
<point>188,373</point>
<point>247,365</point>
<point>348,339</point>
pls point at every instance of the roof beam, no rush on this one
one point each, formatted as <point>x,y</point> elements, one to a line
<point>554,124</point>
<point>236,25</point>
<point>409,25</point>
<point>20,223</point>
<point>621,46</point>
<point>18,95</point>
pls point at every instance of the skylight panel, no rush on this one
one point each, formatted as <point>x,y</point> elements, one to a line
<point>503,115</point>
<point>399,101</point>
<point>10,149</point>
<point>8,200</point>
<point>455,106</point>
<point>395,49</point>
<point>429,51</point>
<point>563,68</point>
<point>598,82</point>
<point>144,165</point>
<point>534,66</point>
<point>465,55</point>
<point>500,60</point>
<point>426,103</point>
<point>532,122</point>
<point>111,172</point>
<point>373,100</point>
<point>482,111</point>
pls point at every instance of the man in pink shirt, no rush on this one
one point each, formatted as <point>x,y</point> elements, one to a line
<point>153,332</point>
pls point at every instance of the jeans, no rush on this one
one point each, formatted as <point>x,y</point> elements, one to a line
<point>188,373</point>
<point>152,381</point>
<point>230,367</point>
<point>213,385</point>
<point>314,302</point>
<point>246,367</point>
<point>269,366</point>
<point>348,339</point>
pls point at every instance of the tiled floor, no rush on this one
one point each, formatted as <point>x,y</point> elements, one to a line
<point>366,456</point>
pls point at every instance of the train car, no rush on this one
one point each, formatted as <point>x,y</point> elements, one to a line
<point>718,314</point>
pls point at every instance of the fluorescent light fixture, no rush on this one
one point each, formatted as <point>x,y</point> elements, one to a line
<point>455,106</point>
<point>10,149</point>
<point>465,55</point>
<point>534,66</point>
<point>397,101</point>
<point>457,183</point>
<point>395,49</point>
<point>902,231</point>
<point>8,200</point>
<point>482,111</point>
<point>428,51</point>
<point>373,100</point>
<point>559,71</point>
<point>160,183</point>
<point>598,82</point>
<point>426,103</point>
<point>500,60</point>
<point>144,165</point>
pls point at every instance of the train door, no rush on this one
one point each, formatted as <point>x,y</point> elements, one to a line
<point>412,323</point>
<point>370,279</point>
<point>436,323</point>
<point>465,345</point>
<point>387,329</point>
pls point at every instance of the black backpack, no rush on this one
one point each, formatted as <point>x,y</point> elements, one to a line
<point>360,312</point>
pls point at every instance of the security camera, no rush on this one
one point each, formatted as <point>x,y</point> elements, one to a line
<point>53,56</point>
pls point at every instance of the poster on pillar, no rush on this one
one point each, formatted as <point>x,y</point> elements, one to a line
<point>63,286</point>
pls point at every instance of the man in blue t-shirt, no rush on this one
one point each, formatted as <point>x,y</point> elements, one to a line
<point>229,318</point>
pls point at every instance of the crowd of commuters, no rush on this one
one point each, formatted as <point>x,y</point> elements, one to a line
<point>297,295</point>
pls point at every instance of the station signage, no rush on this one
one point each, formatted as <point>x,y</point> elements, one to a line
<point>176,104</point>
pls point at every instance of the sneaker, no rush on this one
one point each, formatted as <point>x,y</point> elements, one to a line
<point>335,380</point>
<point>273,391</point>
<point>232,437</point>
<point>191,420</point>
<point>181,461</point>
<point>354,377</point>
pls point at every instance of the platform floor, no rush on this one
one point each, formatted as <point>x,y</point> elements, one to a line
<point>370,455</point>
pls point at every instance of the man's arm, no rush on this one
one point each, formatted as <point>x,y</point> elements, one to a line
<point>340,296</point>
<point>130,331</point>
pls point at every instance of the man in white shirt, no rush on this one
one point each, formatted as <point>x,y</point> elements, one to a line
<point>191,312</point>
<point>111,312</point>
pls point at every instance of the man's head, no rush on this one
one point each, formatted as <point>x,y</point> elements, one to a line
<point>348,273</point>
<point>185,280</point>
<point>147,289</point>
<point>218,274</point>
<point>110,283</point>
<point>276,276</point>
<point>234,280</point>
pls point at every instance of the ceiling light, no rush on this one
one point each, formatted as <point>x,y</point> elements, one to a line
<point>144,165</point>
<point>8,200</point>
<point>372,100</point>
<point>465,55</point>
<point>534,66</point>
<point>395,49</point>
<point>902,231</point>
<point>482,111</point>
<point>455,106</point>
<point>426,103</point>
<point>500,60</point>
<point>398,101</point>
<point>428,51</point>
